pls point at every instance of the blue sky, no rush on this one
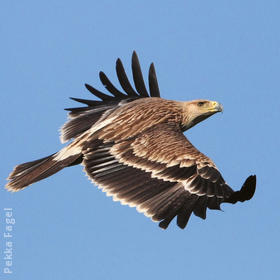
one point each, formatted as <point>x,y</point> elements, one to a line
<point>227,51</point>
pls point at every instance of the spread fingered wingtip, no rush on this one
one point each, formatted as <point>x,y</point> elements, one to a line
<point>246,192</point>
<point>249,187</point>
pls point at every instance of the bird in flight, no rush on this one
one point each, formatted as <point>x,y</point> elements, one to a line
<point>132,146</point>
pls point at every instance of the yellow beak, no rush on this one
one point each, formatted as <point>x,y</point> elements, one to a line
<point>216,107</point>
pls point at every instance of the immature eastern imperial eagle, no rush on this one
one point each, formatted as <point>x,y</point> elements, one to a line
<point>133,147</point>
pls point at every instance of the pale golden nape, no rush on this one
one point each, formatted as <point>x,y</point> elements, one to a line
<point>132,146</point>
<point>196,111</point>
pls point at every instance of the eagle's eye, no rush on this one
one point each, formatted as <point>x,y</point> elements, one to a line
<point>201,103</point>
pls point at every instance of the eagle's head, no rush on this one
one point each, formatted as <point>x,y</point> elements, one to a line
<point>196,111</point>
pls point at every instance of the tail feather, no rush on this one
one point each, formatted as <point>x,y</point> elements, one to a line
<point>28,173</point>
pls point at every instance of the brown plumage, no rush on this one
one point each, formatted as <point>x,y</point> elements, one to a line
<point>133,147</point>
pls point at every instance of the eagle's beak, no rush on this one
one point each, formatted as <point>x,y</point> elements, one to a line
<point>217,107</point>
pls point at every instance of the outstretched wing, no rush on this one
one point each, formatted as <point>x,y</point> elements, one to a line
<point>82,118</point>
<point>158,171</point>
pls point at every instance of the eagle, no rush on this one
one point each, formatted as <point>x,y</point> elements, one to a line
<point>132,146</point>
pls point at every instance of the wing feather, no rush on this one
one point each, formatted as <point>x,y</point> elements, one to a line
<point>153,84</point>
<point>160,186</point>
<point>200,207</point>
<point>99,94</point>
<point>185,212</point>
<point>124,82</point>
<point>82,118</point>
<point>137,76</point>
<point>110,87</point>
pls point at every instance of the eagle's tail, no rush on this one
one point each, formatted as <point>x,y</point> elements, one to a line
<point>30,172</point>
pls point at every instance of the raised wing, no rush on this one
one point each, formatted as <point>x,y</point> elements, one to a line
<point>82,118</point>
<point>159,172</point>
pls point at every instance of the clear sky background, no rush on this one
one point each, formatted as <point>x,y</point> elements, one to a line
<point>227,51</point>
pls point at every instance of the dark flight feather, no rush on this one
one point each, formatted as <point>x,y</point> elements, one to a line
<point>124,82</point>
<point>153,84</point>
<point>138,77</point>
<point>110,87</point>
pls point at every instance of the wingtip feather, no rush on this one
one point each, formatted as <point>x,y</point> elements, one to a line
<point>246,192</point>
